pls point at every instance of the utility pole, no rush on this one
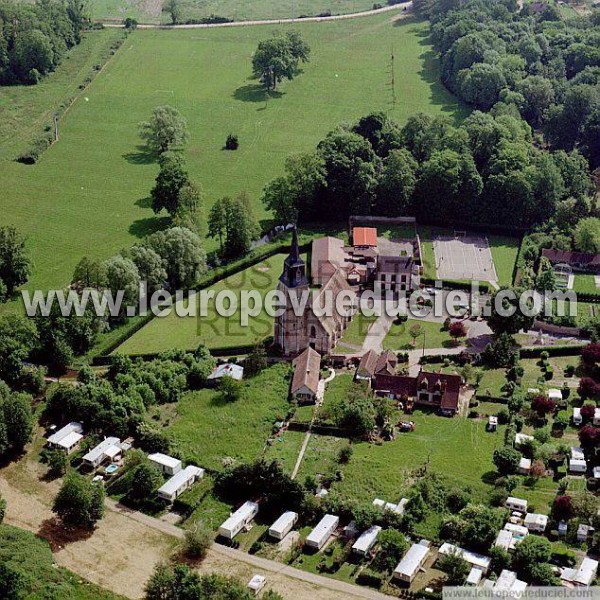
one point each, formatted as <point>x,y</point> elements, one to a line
<point>393,78</point>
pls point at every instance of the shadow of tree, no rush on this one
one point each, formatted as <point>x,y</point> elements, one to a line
<point>490,477</point>
<point>254,92</point>
<point>144,202</point>
<point>143,156</point>
<point>59,536</point>
<point>144,227</point>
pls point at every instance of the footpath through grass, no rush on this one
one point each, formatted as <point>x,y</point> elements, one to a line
<point>89,193</point>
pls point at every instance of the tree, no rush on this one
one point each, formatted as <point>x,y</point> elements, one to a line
<point>174,9</point>
<point>587,388</point>
<point>392,547</point>
<point>256,362</point>
<point>589,437</point>
<point>122,275</point>
<point>79,502</point>
<point>587,412</point>
<point>506,316</point>
<point>501,352</point>
<point>18,418</point>
<point>57,463</point>
<point>217,222</point>
<point>543,405</point>
<point>396,184</point>
<point>165,129</point>
<point>32,56</point>
<point>240,226</point>
<point>14,264</point>
<point>198,539</point>
<point>182,254</point>
<point>456,568</point>
<point>149,265</point>
<point>587,235</point>
<point>415,331</point>
<point>2,509</point>
<point>170,181</point>
<point>531,551</point>
<point>189,207</point>
<point>12,583</point>
<point>457,330</point>
<point>481,84</point>
<point>278,58</point>
<point>145,480</point>
<point>506,460</point>
<point>230,389</point>
<point>89,273</point>
<point>585,506</point>
<point>359,416</point>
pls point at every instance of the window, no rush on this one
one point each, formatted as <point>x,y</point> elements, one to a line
<point>313,331</point>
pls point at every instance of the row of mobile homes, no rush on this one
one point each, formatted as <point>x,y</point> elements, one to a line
<point>108,449</point>
<point>68,438</point>
<point>167,464</point>
<point>239,520</point>
<point>536,522</point>
<point>322,532</point>
<point>283,525</point>
<point>473,558</point>
<point>180,482</point>
<point>516,504</point>
<point>412,562</point>
<point>366,540</point>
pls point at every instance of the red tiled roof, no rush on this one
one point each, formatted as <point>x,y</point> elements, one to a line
<point>368,363</point>
<point>364,236</point>
<point>307,369</point>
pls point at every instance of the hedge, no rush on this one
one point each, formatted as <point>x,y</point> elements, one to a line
<point>572,350</point>
<point>484,288</point>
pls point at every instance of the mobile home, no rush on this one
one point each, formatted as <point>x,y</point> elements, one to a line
<point>322,532</point>
<point>180,482</point>
<point>366,540</point>
<point>108,449</point>
<point>413,561</point>
<point>240,519</point>
<point>516,504</point>
<point>577,465</point>
<point>283,525</point>
<point>167,464</point>
<point>68,438</point>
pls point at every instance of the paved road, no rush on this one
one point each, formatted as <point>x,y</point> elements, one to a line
<point>404,7</point>
<point>263,564</point>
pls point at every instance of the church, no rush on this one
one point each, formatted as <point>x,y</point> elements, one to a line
<point>309,329</point>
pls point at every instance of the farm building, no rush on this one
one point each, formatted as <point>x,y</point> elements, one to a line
<point>322,532</point>
<point>516,504</point>
<point>240,519</point>
<point>108,449</point>
<point>167,464</point>
<point>68,438</point>
<point>283,525</point>
<point>180,482</point>
<point>225,370</point>
<point>536,522</point>
<point>364,238</point>
<point>522,438</point>
<point>577,465</point>
<point>578,261</point>
<point>583,576</point>
<point>524,466</point>
<point>366,540</point>
<point>473,558</point>
<point>305,383</point>
<point>412,562</point>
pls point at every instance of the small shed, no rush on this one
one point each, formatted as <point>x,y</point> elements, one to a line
<point>524,466</point>
<point>180,482</point>
<point>555,395</point>
<point>256,584</point>
<point>412,562</point>
<point>584,532</point>
<point>366,540</point>
<point>322,532</point>
<point>521,439</point>
<point>240,519</point>
<point>283,525</point>
<point>492,423</point>
<point>474,577</point>
<point>167,464</point>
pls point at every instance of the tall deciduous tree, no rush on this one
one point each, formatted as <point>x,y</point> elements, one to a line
<point>170,181</point>
<point>165,129</point>
<point>79,502</point>
<point>14,264</point>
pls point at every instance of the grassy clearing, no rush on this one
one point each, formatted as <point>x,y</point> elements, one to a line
<point>399,337</point>
<point>89,193</point>
<point>336,391</point>
<point>321,457</point>
<point>206,430</point>
<point>32,558</point>
<point>355,334</point>
<point>458,448</point>
<point>585,284</point>
<point>285,449</point>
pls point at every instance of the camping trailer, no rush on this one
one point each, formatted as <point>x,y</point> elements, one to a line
<point>180,482</point>
<point>322,532</point>
<point>283,525</point>
<point>240,519</point>
<point>366,540</point>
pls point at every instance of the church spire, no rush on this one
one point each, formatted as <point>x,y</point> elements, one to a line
<point>294,268</point>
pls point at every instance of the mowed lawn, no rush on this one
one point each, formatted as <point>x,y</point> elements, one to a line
<point>207,430</point>
<point>432,336</point>
<point>89,193</point>
<point>214,330</point>
<point>457,448</point>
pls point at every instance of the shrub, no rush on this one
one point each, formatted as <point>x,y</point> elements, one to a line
<point>232,142</point>
<point>198,539</point>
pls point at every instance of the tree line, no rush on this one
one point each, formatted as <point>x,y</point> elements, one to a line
<point>34,37</point>
<point>540,65</point>
<point>487,170</point>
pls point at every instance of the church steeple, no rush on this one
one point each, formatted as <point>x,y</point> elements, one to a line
<point>294,268</point>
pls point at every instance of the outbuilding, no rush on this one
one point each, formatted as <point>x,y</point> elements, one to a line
<point>412,562</point>
<point>108,449</point>
<point>508,583</point>
<point>322,532</point>
<point>524,466</point>
<point>180,482</point>
<point>474,577</point>
<point>68,438</point>
<point>555,395</point>
<point>577,465</point>
<point>366,540</point>
<point>536,522</point>
<point>225,370</point>
<point>283,525</point>
<point>516,504</point>
<point>240,519</point>
<point>305,382</point>
<point>167,464</point>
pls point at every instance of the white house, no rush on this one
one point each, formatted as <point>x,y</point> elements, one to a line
<point>473,558</point>
<point>68,438</point>
<point>581,577</point>
<point>107,449</point>
<point>577,418</point>
<point>536,522</point>
<point>577,465</point>
<point>412,562</point>
<point>322,532</point>
<point>283,525</point>
<point>524,466</point>
<point>167,464</point>
<point>366,540</point>
<point>516,504</point>
<point>521,438</point>
<point>180,482</point>
<point>240,519</point>
<point>596,473</point>
<point>507,582</point>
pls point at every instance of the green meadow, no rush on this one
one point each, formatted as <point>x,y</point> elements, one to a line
<point>89,193</point>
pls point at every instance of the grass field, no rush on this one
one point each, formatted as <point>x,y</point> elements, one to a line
<point>399,337</point>
<point>585,284</point>
<point>354,336</point>
<point>149,11</point>
<point>458,448</point>
<point>207,430</point>
<point>88,195</point>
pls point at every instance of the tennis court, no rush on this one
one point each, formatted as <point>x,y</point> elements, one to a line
<point>463,257</point>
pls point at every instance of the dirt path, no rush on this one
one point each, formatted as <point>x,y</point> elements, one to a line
<point>405,7</point>
<point>121,553</point>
